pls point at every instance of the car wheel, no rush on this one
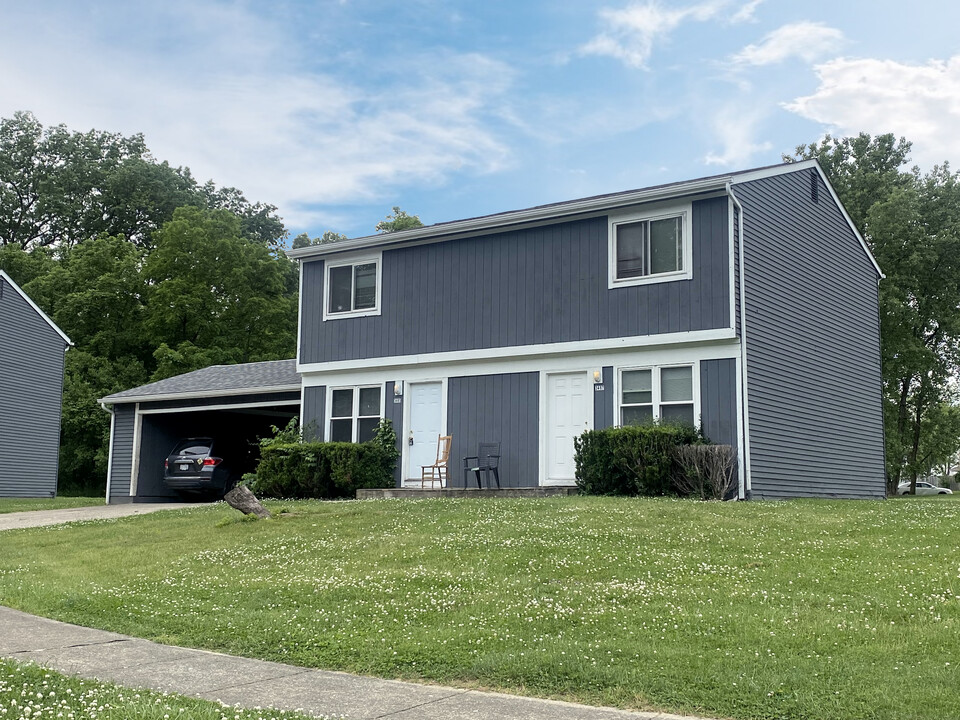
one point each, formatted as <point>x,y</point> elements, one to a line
<point>905,492</point>
<point>941,493</point>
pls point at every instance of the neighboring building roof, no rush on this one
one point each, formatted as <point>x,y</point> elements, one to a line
<point>6,279</point>
<point>217,380</point>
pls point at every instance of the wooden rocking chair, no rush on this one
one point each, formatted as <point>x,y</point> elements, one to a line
<point>440,469</point>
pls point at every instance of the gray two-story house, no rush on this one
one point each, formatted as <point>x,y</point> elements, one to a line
<point>31,386</point>
<point>744,302</point>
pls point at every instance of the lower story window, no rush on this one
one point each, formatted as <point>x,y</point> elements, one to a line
<point>665,393</point>
<point>355,413</point>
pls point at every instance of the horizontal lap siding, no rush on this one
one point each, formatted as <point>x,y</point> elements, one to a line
<point>539,285</point>
<point>121,456</point>
<point>496,408</point>
<point>813,346</point>
<point>31,387</point>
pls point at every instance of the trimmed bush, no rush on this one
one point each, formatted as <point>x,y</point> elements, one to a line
<point>322,470</point>
<point>630,460</point>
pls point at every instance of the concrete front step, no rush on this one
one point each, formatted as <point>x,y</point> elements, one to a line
<point>421,493</point>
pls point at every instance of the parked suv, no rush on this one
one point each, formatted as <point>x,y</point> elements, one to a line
<point>205,466</point>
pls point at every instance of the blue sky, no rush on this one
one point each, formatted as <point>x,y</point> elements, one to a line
<point>337,111</point>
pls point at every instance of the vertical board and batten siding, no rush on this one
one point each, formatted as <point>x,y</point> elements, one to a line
<point>736,266</point>
<point>813,346</point>
<point>312,412</point>
<point>718,400</point>
<point>393,411</point>
<point>603,400</point>
<point>496,408</point>
<point>121,458</point>
<point>31,387</point>
<point>524,287</point>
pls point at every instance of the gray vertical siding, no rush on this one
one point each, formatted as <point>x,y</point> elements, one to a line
<point>121,459</point>
<point>491,408</point>
<point>539,285</point>
<point>31,386</point>
<point>736,266</point>
<point>393,411</point>
<point>813,346</point>
<point>603,401</point>
<point>311,414</point>
<point>718,400</point>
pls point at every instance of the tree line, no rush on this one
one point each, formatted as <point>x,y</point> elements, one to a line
<point>153,274</point>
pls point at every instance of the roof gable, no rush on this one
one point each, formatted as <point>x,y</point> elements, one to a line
<point>6,280</point>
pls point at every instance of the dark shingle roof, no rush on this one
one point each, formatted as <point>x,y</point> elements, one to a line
<point>218,380</point>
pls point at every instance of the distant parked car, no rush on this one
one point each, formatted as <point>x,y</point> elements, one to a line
<point>205,466</point>
<point>923,488</point>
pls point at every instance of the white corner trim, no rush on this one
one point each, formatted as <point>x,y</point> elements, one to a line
<point>135,453</point>
<point>524,351</point>
<point>36,307</point>
<point>113,427</point>
<point>743,412</point>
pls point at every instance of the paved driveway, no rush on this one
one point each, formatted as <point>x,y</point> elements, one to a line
<point>39,518</point>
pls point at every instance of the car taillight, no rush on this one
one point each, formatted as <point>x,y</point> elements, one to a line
<point>212,461</point>
<point>166,464</point>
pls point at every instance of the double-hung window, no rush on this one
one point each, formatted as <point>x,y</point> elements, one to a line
<point>666,393</point>
<point>355,413</point>
<point>650,247</point>
<point>353,288</point>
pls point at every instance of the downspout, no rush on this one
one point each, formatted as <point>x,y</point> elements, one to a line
<point>745,488</point>
<point>109,450</point>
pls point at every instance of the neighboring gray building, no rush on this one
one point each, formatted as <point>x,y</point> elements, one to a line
<point>744,302</point>
<point>31,387</point>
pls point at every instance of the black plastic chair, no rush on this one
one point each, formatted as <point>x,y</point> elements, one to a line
<point>486,460</point>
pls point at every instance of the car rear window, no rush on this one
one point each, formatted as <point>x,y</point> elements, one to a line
<point>192,447</point>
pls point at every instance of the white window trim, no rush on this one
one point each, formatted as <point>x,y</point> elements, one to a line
<point>655,389</point>
<point>376,258</point>
<point>354,417</point>
<point>658,212</point>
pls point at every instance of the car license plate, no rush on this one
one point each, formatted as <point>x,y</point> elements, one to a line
<point>184,466</point>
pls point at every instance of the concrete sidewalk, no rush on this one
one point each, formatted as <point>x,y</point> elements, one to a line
<point>40,518</point>
<point>132,662</point>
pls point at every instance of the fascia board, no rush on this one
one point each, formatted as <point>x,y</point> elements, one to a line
<point>114,400</point>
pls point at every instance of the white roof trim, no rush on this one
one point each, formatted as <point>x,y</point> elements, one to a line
<point>804,165</point>
<point>516,217</point>
<point>32,304</point>
<point>198,394</point>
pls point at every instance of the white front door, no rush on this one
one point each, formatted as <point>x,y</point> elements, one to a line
<point>425,425</point>
<point>568,412</point>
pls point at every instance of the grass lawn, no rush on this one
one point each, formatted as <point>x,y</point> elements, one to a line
<point>29,691</point>
<point>9,505</point>
<point>803,609</point>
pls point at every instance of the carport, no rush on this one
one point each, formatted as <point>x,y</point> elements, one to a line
<point>236,401</point>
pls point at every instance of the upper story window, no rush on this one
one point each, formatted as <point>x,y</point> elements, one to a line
<point>352,287</point>
<point>651,246</point>
<point>666,393</point>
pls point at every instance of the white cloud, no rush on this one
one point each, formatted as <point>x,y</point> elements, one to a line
<point>806,40</point>
<point>920,102</point>
<point>228,97</point>
<point>629,34</point>
<point>736,127</point>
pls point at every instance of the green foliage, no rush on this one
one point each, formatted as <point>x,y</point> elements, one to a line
<point>386,438</point>
<point>149,273</point>
<point>304,240</point>
<point>60,188</point>
<point>399,220</point>
<point>322,470</point>
<point>629,460</point>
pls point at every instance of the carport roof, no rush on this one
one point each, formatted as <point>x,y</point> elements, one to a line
<point>217,381</point>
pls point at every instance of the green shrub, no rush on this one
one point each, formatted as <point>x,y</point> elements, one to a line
<point>322,470</point>
<point>630,460</point>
